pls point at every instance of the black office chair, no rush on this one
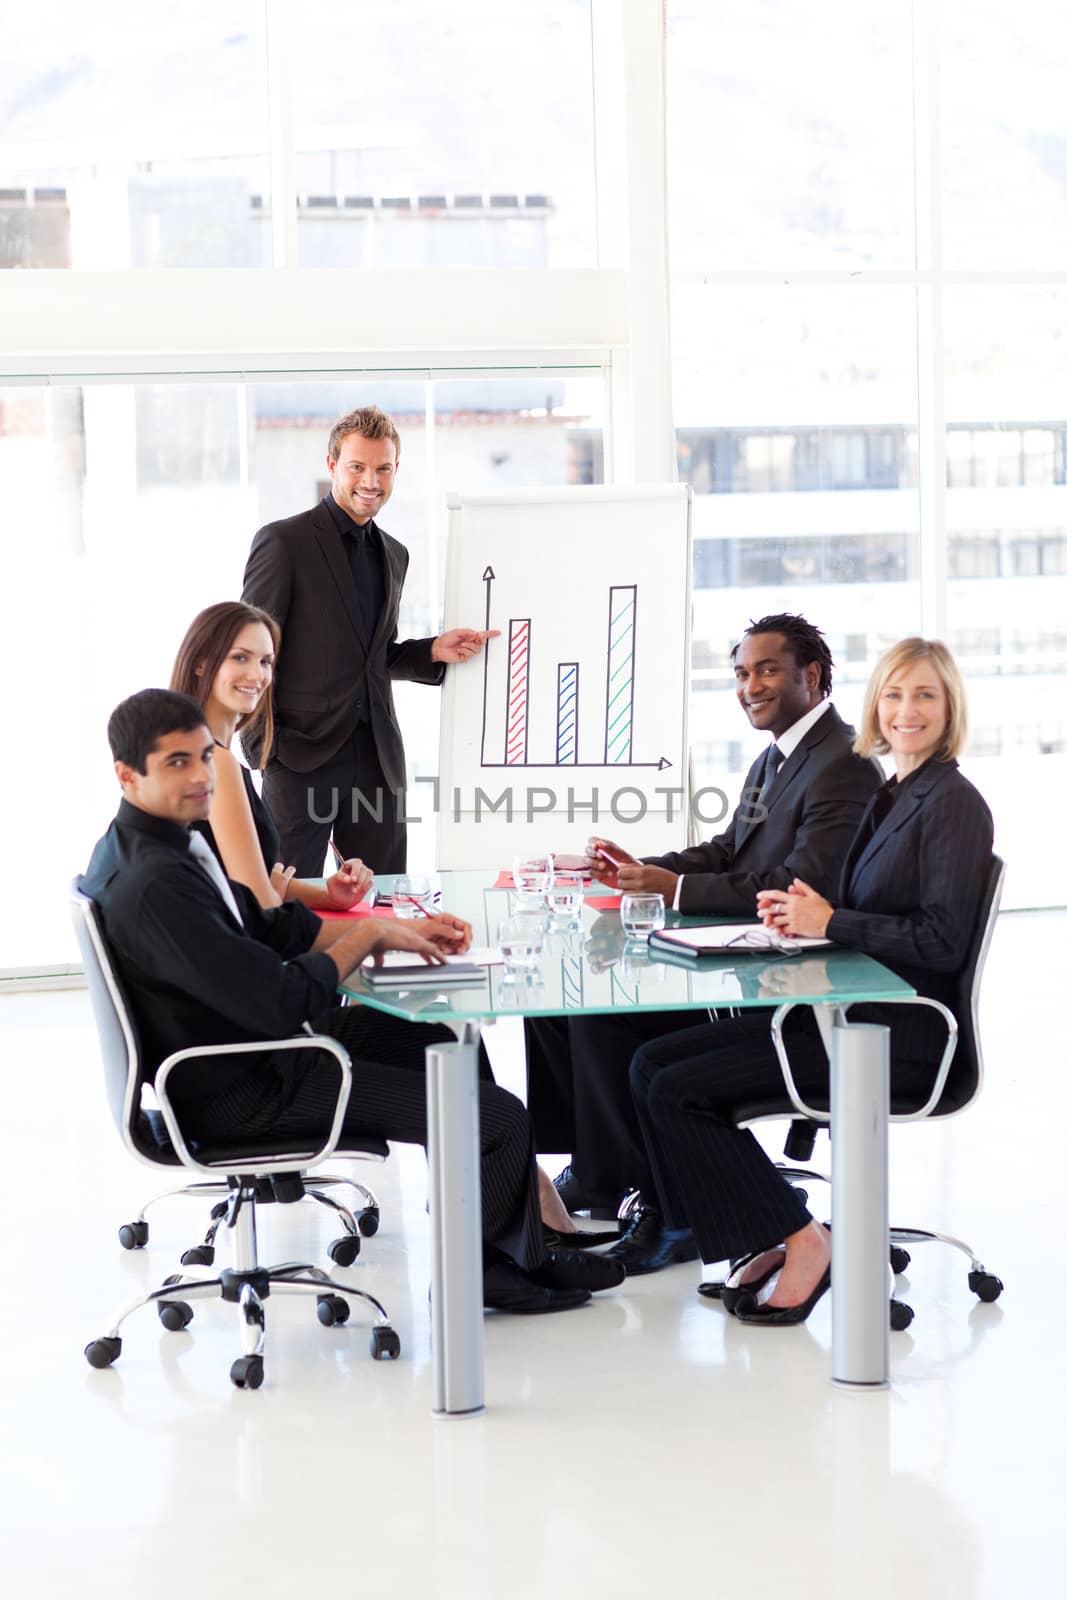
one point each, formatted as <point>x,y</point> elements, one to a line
<point>246,1169</point>
<point>957,1083</point>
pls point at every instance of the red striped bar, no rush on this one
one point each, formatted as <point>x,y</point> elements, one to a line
<point>518,691</point>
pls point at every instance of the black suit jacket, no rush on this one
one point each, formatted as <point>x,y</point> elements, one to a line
<point>193,975</point>
<point>811,813</point>
<point>909,896</point>
<point>329,672</point>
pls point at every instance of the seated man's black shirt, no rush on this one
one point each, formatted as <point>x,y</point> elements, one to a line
<point>191,974</point>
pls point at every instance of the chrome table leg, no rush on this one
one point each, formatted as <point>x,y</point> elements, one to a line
<point>859,1131</point>
<point>455,1225</point>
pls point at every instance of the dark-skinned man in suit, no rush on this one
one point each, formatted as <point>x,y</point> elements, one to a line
<point>801,804</point>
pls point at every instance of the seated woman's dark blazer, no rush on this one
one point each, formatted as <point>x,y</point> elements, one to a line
<point>911,885</point>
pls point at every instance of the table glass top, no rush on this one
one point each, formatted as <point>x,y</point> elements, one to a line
<point>590,968</point>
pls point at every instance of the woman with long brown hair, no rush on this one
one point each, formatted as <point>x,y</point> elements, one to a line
<point>226,662</point>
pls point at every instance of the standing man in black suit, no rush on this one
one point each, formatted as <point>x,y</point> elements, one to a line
<point>801,804</point>
<point>332,579</point>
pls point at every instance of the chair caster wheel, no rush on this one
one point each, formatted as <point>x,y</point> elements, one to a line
<point>133,1235</point>
<point>899,1259</point>
<point>247,1372</point>
<point>174,1314</point>
<point>384,1344</point>
<point>199,1255</point>
<point>344,1251</point>
<point>367,1221</point>
<point>900,1315</point>
<point>102,1352</point>
<point>333,1310</point>
<point>985,1286</point>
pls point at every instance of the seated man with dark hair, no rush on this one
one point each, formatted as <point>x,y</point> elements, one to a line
<point>204,964</point>
<point>800,806</point>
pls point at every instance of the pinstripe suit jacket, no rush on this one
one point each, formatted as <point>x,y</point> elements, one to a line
<point>910,890</point>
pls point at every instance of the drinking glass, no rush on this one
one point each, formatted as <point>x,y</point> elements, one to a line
<point>565,894</point>
<point>521,941</point>
<point>411,895</point>
<point>532,875</point>
<point>642,914</point>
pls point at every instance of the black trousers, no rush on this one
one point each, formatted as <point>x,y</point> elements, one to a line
<point>283,1095</point>
<point>348,798</point>
<point>709,1174</point>
<point>578,1094</point>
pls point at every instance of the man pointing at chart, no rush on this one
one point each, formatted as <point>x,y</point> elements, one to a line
<point>333,579</point>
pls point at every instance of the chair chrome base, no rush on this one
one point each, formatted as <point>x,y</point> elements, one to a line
<point>360,1222</point>
<point>248,1285</point>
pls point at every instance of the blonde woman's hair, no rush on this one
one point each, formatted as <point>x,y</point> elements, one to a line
<point>869,740</point>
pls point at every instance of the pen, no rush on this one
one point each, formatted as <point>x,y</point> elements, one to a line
<point>371,898</point>
<point>611,859</point>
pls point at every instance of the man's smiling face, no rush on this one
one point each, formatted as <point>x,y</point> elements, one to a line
<point>773,690</point>
<point>363,475</point>
<point>178,780</point>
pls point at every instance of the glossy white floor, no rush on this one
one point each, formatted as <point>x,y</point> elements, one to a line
<point>644,1442</point>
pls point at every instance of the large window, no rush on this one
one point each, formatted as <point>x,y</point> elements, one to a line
<point>795,507</point>
<point>134,135</point>
<point>432,135</point>
<point>811,141</point>
<point>405,136</point>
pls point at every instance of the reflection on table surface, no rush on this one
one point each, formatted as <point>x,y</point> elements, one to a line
<point>589,966</point>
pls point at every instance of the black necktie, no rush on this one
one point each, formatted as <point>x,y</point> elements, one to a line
<point>770,769</point>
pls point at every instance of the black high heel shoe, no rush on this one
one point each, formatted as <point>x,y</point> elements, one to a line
<point>748,1308</point>
<point>728,1290</point>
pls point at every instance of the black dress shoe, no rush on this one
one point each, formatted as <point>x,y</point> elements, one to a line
<point>584,1239</point>
<point>748,1309</point>
<point>571,1269</point>
<point>643,1247</point>
<point>505,1287</point>
<point>569,1187</point>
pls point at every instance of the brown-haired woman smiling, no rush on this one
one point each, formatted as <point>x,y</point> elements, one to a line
<point>910,889</point>
<point>226,662</point>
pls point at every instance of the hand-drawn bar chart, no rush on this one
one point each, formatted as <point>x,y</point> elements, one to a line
<point>526,677</point>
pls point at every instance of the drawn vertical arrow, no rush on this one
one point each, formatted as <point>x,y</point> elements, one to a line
<point>487,578</point>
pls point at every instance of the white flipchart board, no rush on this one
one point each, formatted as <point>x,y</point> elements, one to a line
<point>584,697</point>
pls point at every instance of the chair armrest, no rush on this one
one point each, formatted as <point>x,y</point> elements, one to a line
<point>947,1054</point>
<point>309,1041</point>
<point>791,1089</point>
<point>940,1080</point>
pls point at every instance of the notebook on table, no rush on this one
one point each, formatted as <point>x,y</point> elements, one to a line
<point>740,938</point>
<point>422,974</point>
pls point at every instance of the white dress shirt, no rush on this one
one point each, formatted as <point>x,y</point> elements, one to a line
<point>787,743</point>
<point>205,857</point>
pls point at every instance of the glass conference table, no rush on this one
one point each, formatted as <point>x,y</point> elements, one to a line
<point>590,968</point>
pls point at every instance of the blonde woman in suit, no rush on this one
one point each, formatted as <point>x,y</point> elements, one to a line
<point>909,894</point>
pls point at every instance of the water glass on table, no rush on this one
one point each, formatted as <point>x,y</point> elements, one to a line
<point>412,894</point>
<point>521,940</point>
<point>532,875</point>
<point>642,914</point>
<point>565,894</point>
